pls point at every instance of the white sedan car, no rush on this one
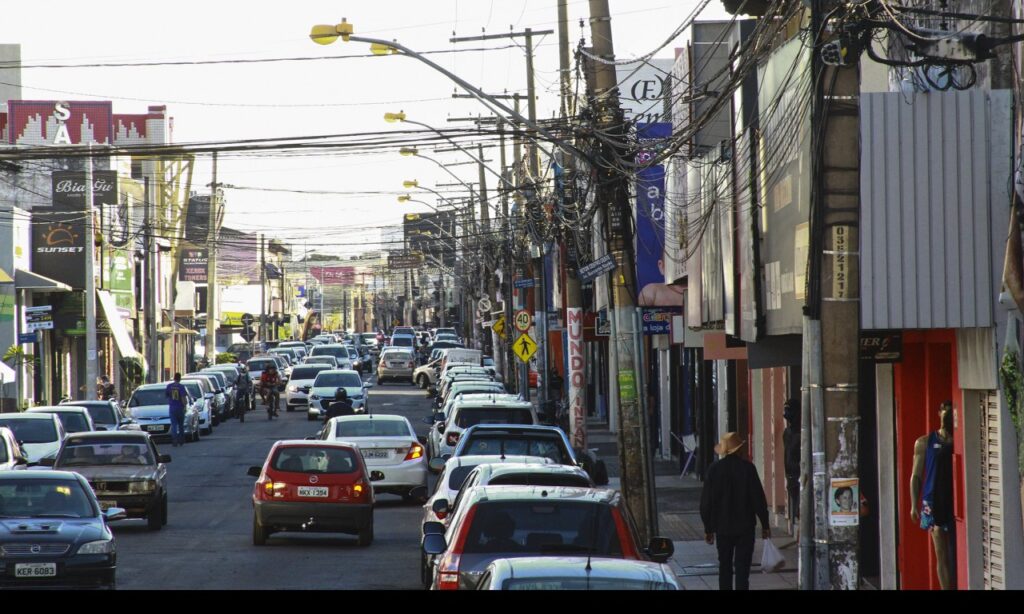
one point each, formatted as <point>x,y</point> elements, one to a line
<point>389,445</point>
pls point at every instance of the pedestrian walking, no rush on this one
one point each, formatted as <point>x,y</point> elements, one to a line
<point>791,455</point>
<point>105,391</point>
<point>730,504</point>
<point>176,398</point>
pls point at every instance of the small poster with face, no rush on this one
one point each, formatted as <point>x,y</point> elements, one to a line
<point>844,502</point>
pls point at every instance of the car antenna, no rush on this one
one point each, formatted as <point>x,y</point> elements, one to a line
<point>502,449</point>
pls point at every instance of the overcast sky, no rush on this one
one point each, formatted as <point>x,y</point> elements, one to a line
<point>244,101</point>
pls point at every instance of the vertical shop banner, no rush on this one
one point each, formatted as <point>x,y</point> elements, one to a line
<point>577,401</point>
<point>122,282</point>
<point>650,222</point>
<point>193,264</point>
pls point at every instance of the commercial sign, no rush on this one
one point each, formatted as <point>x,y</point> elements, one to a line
<point>577,381</point>
<point>650,222</point>
<point>192,264</point>
<point>658,320</point>
<point>643,89</point>
<point>121,282</point>
<point>39,318</point>
<point>334,275</point>
<point>60,123</point>
<point>881,345</point>
<point>404,260</point>
<point>604,264</point>
<point>528,282</point>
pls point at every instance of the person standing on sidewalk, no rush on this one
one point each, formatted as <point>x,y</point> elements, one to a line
<point>176,397</point>
<point>731,502</point>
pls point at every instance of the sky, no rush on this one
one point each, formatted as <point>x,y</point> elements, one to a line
<point>232,101</point>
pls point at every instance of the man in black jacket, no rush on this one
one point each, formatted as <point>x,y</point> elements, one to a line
<point>341,406</point>
<point>730,504</point>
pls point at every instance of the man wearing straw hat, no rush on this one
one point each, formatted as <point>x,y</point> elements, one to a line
<point>730,504</point>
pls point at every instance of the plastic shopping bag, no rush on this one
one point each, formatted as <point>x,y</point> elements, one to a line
<point>771,558</point>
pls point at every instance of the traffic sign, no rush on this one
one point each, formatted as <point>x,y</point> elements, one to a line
<point>247,319</point>
<point>499,327</point>
<point>523,320</point>
<point>248,333</point>
<point>484,304</point>
<point>524,347</point>
<point>524,283</point>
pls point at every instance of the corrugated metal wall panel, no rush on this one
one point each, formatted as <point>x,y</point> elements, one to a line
<point>928,171</point>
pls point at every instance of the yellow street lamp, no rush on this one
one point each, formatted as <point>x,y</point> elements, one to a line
<point>410,183</point>
<point>394,117</point>
<point>409,151</point>
<point>404,198</point>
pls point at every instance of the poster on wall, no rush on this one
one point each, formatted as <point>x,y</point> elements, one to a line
<point>844,502</point>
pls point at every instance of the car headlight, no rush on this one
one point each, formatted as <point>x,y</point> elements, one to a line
<point>99,547</point>
<point>293,388</point>
<point>141,486</point>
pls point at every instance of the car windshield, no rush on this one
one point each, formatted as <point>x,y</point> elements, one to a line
<point>402,341</point>
<point>149,396</point>
<point>543,527</point>
<point>73,421</point>
<point>326,350</point>
<point>193,388</point>
<point>261,364</point>
<point>44,498</point>
<point>548,583</point>
<point>219,380</point>
<point>458,476</point>
<point>31,431</point>
<point>468,416</point>
<point>397,356</point>
<point>299,373</point>
<point>352,353</point>
<point>312,459</point>
<point>491,444</point>
<point>338,380</point>
<point>230,374</point>
<point>113,453</point>
<point>540,478</point>
<point>372,428</point>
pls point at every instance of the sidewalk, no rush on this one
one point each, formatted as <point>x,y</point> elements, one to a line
<point>678,498</point>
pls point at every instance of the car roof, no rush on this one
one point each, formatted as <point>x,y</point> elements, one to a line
<point>537,567</point>
<point>37,474</point>
<point>497,399</point>
<point>52,409</point>
<point>334,371</point>
<point>140,435</point>
<point>28,416</point>
<point>283,443</point>
<point>482,459</point>
<point>86,403</point>
<point>543,493</point>
<point>370,418</point>
<point>154,386</point>
<point>515,428</point>
<point>498,469</point>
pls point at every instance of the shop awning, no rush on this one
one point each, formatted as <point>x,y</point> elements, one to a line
<point>27,280</point>
<point>117,328</point>
<point>166,330</point>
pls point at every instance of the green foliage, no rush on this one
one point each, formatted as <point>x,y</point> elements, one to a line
<point>226,358</point>
<point>1013,387</point>
<point>17,357</point>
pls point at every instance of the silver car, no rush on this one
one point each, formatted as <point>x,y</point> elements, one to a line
<point>39,435</point>
<point>389,445</point>
<point>303,376</point>
<point>74,419</point>
<point>396,364</point>
<point>203,402</point>
<point>150,409</point>
<point>562,573</point>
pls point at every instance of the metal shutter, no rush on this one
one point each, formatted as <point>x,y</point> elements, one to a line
<point>991,491</point>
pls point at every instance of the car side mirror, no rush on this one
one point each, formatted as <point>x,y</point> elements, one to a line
<point>660,549</point>
<point>440,507</point>
<point>164,458</point>
<point>440,427</point>
<point>434,544</point>
<point>255,471</point>
<point>376,476</point>
<point>20,460</point>
<point>208,395</point>
<point>439,416</point>
<point>436,464</point>
<point>114,513</point>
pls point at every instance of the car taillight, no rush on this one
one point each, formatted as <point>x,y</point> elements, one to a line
<point>359,489</point>
<point>416,451</point>
<point>448,573</point>
<point>452,438</point>
<point>274,489</point>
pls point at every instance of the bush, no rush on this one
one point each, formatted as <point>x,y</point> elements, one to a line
<point>226,358</point>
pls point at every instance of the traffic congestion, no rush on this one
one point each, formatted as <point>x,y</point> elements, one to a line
<point>457,482</point>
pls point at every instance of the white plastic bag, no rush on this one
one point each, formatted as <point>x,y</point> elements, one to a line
<point>771,558</point>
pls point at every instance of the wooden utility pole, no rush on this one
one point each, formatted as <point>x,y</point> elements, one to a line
<point>211,271</point>
<point>637,484</point>
<point>263,288</point>
<point>149,274</point>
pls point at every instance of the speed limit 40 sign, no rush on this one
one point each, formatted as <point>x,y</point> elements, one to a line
<point>522,320</point>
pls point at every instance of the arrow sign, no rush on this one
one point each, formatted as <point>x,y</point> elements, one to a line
<point>524,347</point>
<point>499,327</point>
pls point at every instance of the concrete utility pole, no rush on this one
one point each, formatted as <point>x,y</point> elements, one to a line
<point>263,288</point>
<point>91,361</point>
<point>211,271</point>
<point>149,268</point>
<point>835,303</point>
<point>637,483</point>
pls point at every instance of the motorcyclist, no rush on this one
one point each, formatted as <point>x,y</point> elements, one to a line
<point>341,406</point>
<point>244,390</point>
<point>269,381</point>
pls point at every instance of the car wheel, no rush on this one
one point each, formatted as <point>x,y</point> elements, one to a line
<point>214,421</point>
<point>111,582</point>
<point>208,431</point>
<point>366,534</point>
<point>154,520</point>
<point>259,532</point>
<point>425,572</point>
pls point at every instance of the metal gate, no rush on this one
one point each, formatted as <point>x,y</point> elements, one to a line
<point>991,494</point>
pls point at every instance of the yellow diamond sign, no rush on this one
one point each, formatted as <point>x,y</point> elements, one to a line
<point>499,327</point>
<point>524,347</point>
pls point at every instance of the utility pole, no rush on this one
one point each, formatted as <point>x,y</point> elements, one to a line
<point>211,271</point>
<point>637,483</point>
<point>263,288</point>
<point>91,361</point>
<point>831,352</point>
<point>149,267</point>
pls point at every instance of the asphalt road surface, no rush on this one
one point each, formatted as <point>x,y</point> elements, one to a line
<point>207,543</point>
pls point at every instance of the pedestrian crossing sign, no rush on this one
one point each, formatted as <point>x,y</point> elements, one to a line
<point>524,347</point>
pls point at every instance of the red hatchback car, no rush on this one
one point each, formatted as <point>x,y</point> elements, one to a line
<point>313,486</point>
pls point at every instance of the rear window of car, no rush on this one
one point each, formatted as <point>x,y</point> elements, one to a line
<point>402,341</point>
<point>543,527</point>
<point>491,444</point>
<point>372,428</point>
<point>32,431</point>
<point>73,422</point>
<point>469,416</point>
<point>396,356</point>
<point>324,350</point>
<point>299,373</point>
<point>314,459</point>
<point>101,414</point>
<point>193,388</point>
<point>123,453</point>
<point>44,498</point>
<point>579,584</point>
<point>540,478</point>
<point>230,374</point>
<point>261,364</point>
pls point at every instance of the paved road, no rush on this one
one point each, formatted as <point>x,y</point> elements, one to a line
<point>207,543</point>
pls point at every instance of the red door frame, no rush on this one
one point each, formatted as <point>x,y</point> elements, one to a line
<point>930,365</point>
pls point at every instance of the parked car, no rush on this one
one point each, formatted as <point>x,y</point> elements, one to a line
<point>562,573</point>
<point>232,373</point>
<point>356,358</point>
<point>326,385</point>
<point>473,409</point>
<point>11,456</point>
<point>74,419</point>
<point>54,533</point>
<point>150,409</point>
<point>313,486</point>
<point>495,522</point>
<point>38,435</point>
<point>203,402</point>
<point>218,398</point>
<point>303,376</point>
<point>492,368</point>
<point>298,346</point>
<point>396,364</point>
<point>389,444</point>
<point>125,470</point>
<point>330,361</point>
<point>106,415</point>
<point>223,387</point>
<point>339,351</point>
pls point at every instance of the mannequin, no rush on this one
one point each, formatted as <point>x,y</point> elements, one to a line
<point>931,486</point>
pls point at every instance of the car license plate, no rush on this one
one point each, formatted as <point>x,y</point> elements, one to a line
<point>35,570</point>
<point>312,491</point>
<point>154,427</point>
<point>106,505</point>
<point>376,454</point>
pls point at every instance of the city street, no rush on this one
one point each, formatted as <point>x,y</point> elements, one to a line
<point>207,543</point>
